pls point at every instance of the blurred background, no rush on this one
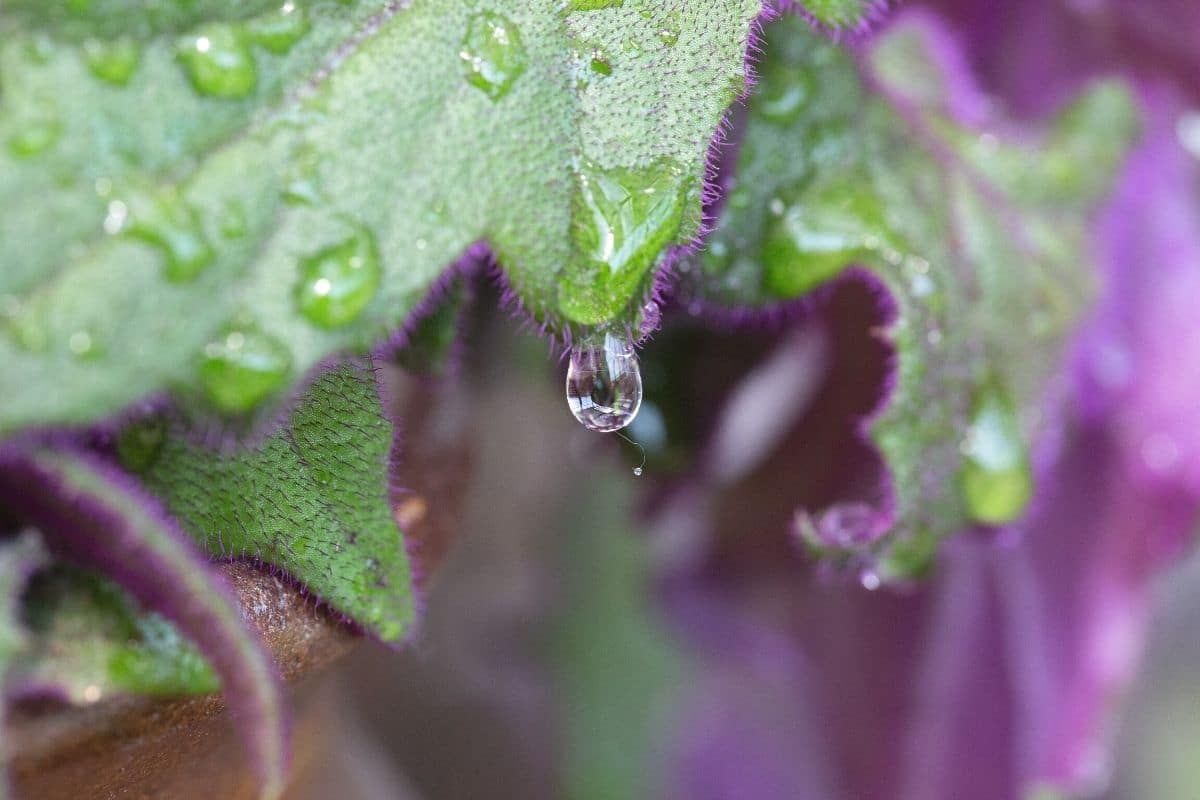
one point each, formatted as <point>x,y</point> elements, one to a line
<point>554,663</point>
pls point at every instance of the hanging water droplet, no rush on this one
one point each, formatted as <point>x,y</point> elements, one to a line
<point>604,384</point>
<point>637,471</point>
<point>996,478</point>
<point>337,283</point>
<point>241,366</point>
<point>218,61</point>
<point>492,53</point>
<point>112,61</point>
<point>280,29</point>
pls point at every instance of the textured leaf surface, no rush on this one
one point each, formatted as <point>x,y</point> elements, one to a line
<point>89,640</point>
<point>311,498</point>
<point>977,235</point>
<point>302,187</point>
<point>93,514</point>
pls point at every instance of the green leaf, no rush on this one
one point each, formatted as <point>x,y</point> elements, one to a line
<point>311,498</point>
<point>89,641</point>
<point>164,190</point>
<point>978,236</point>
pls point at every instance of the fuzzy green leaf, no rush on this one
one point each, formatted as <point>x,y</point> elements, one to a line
<point>89,641</point>
<point>978,236</point>
<point>303,187</point>
<point>311,498</point>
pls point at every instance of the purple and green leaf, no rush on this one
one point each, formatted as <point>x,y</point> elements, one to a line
<point>891,160</point>
<point>239,207</point>
<point>95,515</point>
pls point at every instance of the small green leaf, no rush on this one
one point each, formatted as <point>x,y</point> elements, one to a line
<point>311,498</point>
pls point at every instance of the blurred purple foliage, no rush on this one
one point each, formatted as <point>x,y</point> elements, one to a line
<point>1003,673</point>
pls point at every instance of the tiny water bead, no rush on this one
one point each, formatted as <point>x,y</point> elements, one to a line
<point>164,219</point>
<point>996,479</point>
<point>241,366</point>
<point>604,384</point>
<point>218,61</point>
<point>492,53</point>
<point>35,137</point>
<point>279,30</point>
<point>112,61</point>
<point>337,283</point>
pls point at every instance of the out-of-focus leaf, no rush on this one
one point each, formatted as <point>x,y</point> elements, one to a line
<point>615,665</point>
<point>311,498</point>
<point>95,515</point>
<point>977,234</point>
<point>89,640</point>
<point>299,180</point>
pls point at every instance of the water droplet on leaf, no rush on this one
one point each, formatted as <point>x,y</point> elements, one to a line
<point>165,220</point>
<point>337,283</point>
<point>492,53</point>
<point>35,137</point>
<point>280,29</point>
<point>241,366</point>
<point>218,61</point>
<point>995,479</point>
<point>811,241</point>
<point>668,36</point>
<point>622,220</point>
<point>112,61</point>
<point>604,384</point>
